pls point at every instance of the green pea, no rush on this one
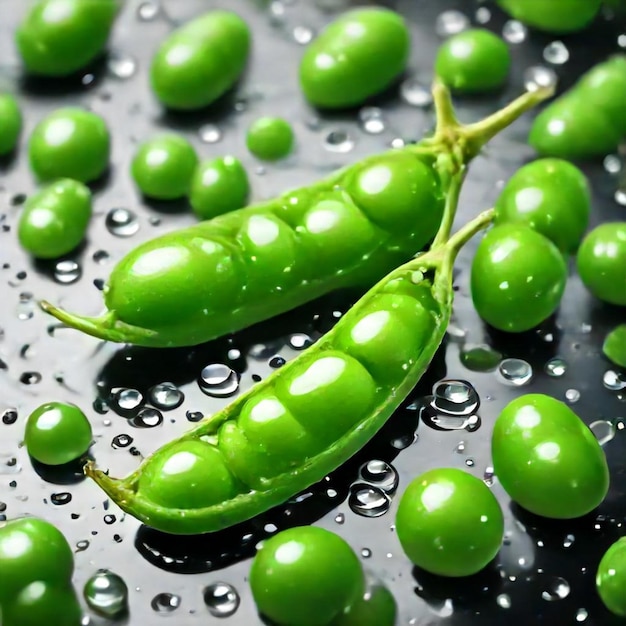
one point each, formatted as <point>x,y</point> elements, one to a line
<point>193,474</point>
<point>517,278</point>
<point>270,138</point>
<point>219,186</point>
<point>449,523</point>
<point>69,143</point>
<point>55,219</point>
<point>305,576</point>
<point>614,346</point>
<point>32,549</point>
<point>601,262</point>
<point>60,37</point>
<point>553,16</point>
<point>357,56</point>
<point>10,123</point>
<point>473,61</point>
<point>57,433</point>
<point>547,459</point>
<point>200,61</point>
<point>163,167</point>
<point>376,607</point>
<point>43,603</point>
<point>552,196</point>
<point>611,578</point>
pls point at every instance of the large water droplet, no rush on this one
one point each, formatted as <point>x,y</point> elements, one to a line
<point>539,76</point>
<point>613,380</point>
<point>147,418</point>
<point>555,367</point>
<point>603,430</point>
<point>450,23</point>
<point>514,31</point>
<point>218,380</point>
<point>372,120</point>
<point>557,589</point>
<point>121,65</point>
<point>515,372</point>
<point>166,396</point>
<point>455,397</point>
<point>556,52</point>
<point>121,222</point>
<point>128,400</point>
<point>106,593</point>
<point>339,141</point>
<point>416,94</point>
<point>379,474</point>
<point>221,599</point>
<point>368,501</point>
<point>165,602</point>
<point>67,272</point>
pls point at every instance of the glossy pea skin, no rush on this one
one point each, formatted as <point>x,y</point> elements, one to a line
<point>547,459</point>
<point>449,523</point>
<point>43,603</point>
<point>614,346</point>
<point>54,220</point>
<point>553,16</point>
<point>200,61</point>
<point>32,549</point>
<point>59,37</point>
<point>10,123</point>
<point>57,433</point>
<point>601,262</point>
<point>473,61</point>
<point>163,166</point>
<point>357,56</point>
<point>552,196</point>
<point>588,120</point>
<point>518,277</point>
<point>69,143</point>
<point>375,607</point>
<point>305,576</point>
<point>270,138</point>
<point>611,578</point>
<point>219,186</point>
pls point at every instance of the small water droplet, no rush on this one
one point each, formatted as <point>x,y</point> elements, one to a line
<point>488,476</point>
<point>302,35</point>
<point>455,397</point>
<point>128,400</point>
<point>514,31</point>
<point>404,441</point>
<point>67,272</point>
<point>582,615</point>
<point>82,545</point>
<point>100,256</point>
<point>121,222</point>
<point>166,396</point>
<point>9,416</point>
<point>621,40</point>
<point>61,498</point>
<point>483,15</point>
<point>613,380</point>
<point>30,378</point>
<point>451,23</point>
<point>121,65</point>
<point>147,418</point>
<point>612,164</point>
<point>572,395</point>
<point>218,380</point>
<point>372,120</point>
<point>568,542</point>
<point>276,12</point>
<point>603,430</point>
<point>210,133</point>
<point>556,53</point>
<point>221,599</point>
<point>194,416</point>
<point>147,11</point>
<point>25,310</point>
<point>340,518</point>
<point>366,553</point>
<point>416,94</point>
<point>380,474</point>
<point>515,372</point>
<point>557,589</point>
<point>480,358</point>
<point>620,197</point>
<point>339,141</point>
<point>555,367</point>
<point>121,441</point>
<point>300,341</point>
<point>368,501</point>
<point>539,76</point>
<point>106,593</point>
<point>503,600</point>
<point>165,602</point>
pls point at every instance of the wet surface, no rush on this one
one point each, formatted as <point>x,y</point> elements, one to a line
<point>137,398</point>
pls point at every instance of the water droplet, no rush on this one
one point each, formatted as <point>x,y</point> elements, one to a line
<point>128,400</point>
<point>556,53</point>
<point>555,367</point>
<point>100,256</point>
<point>121,441</point>
<point>166,396</point>
<point>539,76</point>
<point>603,430</point>
<point>276,362</point>
<point>147,418</point>
<point>9,416</point>
<point>557,589</point>
<point>572,395</point>
<point>503,600</point>
<point>276,12</point>
<point>514,31</point>
<point>620,197</point>
<point>612,164</point>
<point>372,120</point>
<point>106,593</point>
<point>416,94</point>
<point>368,501</point>
<point>339,141</point>
<point>221,599</point>
<point>61,498</point>
<point>210,133</point>
<point>30,378</point>
<point>121,65</point>
<point>194,416</point>
<point>67,272</point>
<point>300,341</point>
<point>379,474</point>
<point>613,380</point>
<point>621,40</point>
<point>568,542</point>
<point>483,15</point>
<point>515,372</point>
<point>121,222</point>
<point>25,310</point>
<point>165,602</point>
<point>480,358</point>
<point>366,553</point>
<point>302,35</point>
<point>450,23</point>
<point>147,11</point>
<point>582,615</point>
<point>404,441</point>
<point>340,518</point>
<point>218,380</point>
<point>455,397</point>
<point>488,476</point>
<point>82,545</point>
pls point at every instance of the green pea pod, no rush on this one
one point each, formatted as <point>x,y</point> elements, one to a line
<point>588,120</point>
<point>240,268</point>
<point>553,16</point>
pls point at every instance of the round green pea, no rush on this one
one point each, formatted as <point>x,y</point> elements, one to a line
<point>376,607</point>
<point>200,61</point>
<point>32,549</point>
<point>355,57</point>
<point>219,186</point>
<point>57,433</point>
<point>43,603</point>
<point>162,167</point>
<point>449,523</point>
<point>69,143</point>
<point>550,195</point>
<point>55,219</point>
<point>614,345</point>
<point>601,262</point>
<point>611,578</point>
<point>305,576</point>
<point>270,138</point>
<point>10,123</point>
<point>518,277</point>
<point>473,61</point>
<point>59,37</point>
<point>547,459</point>
<point>561,16</point>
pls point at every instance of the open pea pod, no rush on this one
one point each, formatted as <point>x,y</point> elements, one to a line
<point>348,230</point>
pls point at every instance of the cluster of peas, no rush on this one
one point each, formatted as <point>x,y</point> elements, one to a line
<point>540,217</point>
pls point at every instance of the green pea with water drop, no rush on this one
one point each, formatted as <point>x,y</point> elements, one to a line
<point>270,138</point>
<point>10,123</point>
